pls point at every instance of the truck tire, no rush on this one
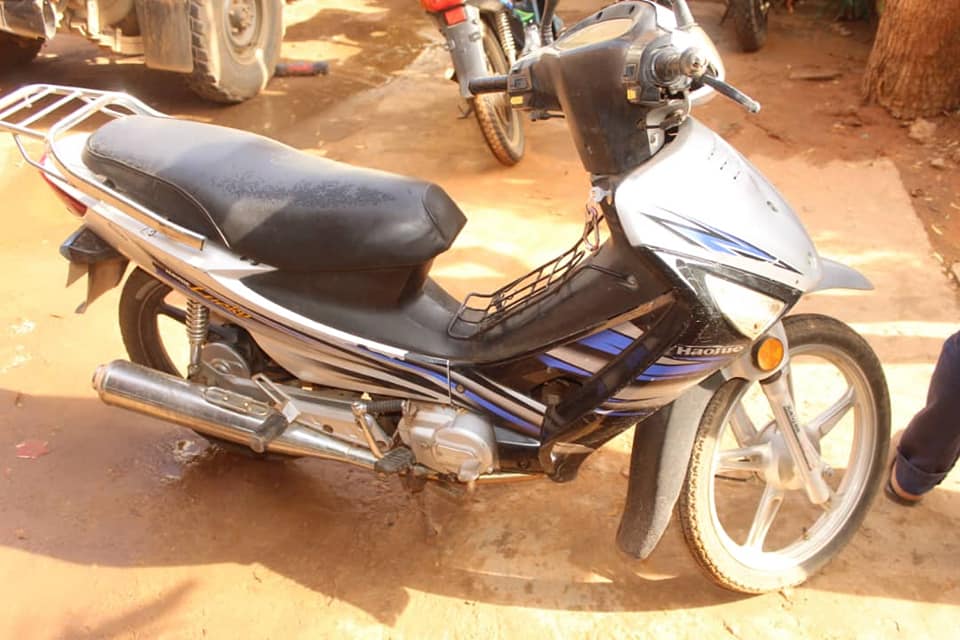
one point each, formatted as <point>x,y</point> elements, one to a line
<point>16,51</point>
<point>235,44</point>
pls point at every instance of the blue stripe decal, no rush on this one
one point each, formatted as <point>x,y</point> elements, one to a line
<point>556,363</point>
<point>503,413</point>
<point>607,341</point>
<point>667,372</point>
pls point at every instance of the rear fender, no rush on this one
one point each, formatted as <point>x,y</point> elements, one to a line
<point>90,255</point>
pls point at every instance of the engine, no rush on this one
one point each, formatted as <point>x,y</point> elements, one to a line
<point>449,440</point>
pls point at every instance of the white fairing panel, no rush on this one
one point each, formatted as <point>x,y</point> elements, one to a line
<point>700,198</point>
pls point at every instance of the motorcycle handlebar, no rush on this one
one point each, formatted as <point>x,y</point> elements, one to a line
<point>488,84</point>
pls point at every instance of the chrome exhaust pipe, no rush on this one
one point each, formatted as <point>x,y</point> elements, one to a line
<point>214,412</point>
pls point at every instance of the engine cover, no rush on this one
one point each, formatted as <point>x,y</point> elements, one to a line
<point>448,440</point>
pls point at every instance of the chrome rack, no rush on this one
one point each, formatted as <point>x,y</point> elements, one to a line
<point>23,114</point>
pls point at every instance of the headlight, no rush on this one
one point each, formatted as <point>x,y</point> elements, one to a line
<point>751,312</point>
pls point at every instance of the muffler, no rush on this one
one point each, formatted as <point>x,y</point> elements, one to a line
<point>28,18</point>
<point>212,411</point>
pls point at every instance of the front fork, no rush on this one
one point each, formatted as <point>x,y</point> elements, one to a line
<point>465,43</point>
<point>806,458</point>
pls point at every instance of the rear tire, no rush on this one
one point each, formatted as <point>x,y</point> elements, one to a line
<point>714,544</point>
<point>750,23</point>
<point>236,45</point>
<point>16,51</point>
<point>499,123</point>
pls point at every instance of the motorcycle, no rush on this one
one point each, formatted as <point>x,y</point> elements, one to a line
<point>312,327</point>
<point>486,37</point>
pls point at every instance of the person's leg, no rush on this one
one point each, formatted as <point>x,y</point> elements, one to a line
<point>931,443</point>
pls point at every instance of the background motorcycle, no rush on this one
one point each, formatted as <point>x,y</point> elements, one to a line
<point>486,37</point>
<point>312,327</point>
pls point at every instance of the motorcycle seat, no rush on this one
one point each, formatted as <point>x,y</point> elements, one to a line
<point>272,203</point>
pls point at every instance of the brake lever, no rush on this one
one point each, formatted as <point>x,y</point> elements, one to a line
<point>731,92</point>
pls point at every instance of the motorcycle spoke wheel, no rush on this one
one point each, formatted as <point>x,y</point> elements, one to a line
<point>743,509</point>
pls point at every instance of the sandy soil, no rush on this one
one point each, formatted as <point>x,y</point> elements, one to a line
<point>130,528</point>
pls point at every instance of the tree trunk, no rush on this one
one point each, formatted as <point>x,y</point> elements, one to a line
<point>914,67</point>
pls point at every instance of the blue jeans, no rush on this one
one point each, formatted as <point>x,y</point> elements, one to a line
<point>931,443</point>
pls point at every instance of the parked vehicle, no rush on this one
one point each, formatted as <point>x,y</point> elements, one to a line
<point>749,22</point>
<point>485,37</point>
<point>309,334</point>
<point>227,50</point>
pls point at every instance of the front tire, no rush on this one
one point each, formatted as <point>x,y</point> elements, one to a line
<point>746,521</point>
<point>236,45</point>
<point>499,123</point>
<point>750,23</point>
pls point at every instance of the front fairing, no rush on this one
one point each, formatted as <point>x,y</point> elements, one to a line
<point>700,198</point>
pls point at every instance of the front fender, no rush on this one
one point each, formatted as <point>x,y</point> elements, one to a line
<point>662,445</point>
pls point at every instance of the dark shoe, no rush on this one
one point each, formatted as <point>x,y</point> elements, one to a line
<point>900,496</point>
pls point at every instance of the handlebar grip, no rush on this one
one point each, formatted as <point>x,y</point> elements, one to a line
<point>488,84</point>
<point>731,92</point>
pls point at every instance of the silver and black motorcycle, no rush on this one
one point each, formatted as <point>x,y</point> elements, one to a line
<point>486,37</point>
<point>312,326</point>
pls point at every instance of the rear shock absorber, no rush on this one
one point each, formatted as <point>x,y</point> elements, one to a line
<point>506,37</point>
<point>198,323</point>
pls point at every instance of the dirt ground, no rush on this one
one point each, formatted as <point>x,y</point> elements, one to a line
<point>128,527</point>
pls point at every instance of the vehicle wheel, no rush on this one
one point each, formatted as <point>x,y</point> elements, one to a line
<point>499,123</point>
<point>750,22</point>
<point>16,51</point>
<point>744,513</point>
<point>236,44</point>
<point>152,318</point>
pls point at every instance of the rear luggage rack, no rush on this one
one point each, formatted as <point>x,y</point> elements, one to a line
<point>480,312</point>
<point>47,112</point>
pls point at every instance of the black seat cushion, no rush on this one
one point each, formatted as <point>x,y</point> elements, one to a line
<point>272,203</point>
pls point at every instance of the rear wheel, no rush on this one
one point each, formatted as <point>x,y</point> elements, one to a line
<point>236,45</point>
<point>499,123</point>
<point>743,509</point>
<point>152,318</point>
<point>16,51</point>
<point>750,22</point>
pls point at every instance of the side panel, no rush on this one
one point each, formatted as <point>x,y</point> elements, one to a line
<point>165,27</point>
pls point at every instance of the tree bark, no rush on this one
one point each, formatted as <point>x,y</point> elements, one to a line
<point>914,66</point>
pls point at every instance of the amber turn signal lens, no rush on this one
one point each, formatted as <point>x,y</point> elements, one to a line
<point>769,354</point>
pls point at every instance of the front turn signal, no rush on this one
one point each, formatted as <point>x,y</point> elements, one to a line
<point>768,354</point>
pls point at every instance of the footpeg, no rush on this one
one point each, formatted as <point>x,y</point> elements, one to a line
<point>395,461</point>
<point>286,412</point>
<point>271,429</point>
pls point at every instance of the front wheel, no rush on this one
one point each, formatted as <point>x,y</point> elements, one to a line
<point>743,509</point>
<point>236,45</point>
<point>499,123</point>
<point>750,22</point>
